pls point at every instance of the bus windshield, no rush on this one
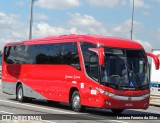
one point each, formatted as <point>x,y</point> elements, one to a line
<point>125,69</point>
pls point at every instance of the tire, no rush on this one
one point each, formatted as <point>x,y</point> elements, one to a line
<point>76,102</point>
<point>117,111</point>
<point>19,96</point>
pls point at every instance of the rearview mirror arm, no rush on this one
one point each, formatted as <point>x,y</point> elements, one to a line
<point>155,58</point>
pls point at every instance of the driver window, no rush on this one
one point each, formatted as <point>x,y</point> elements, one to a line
<point>90,60</point>
<point>93,67</point>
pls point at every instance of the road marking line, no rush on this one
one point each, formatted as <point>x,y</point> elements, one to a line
<point>38,107</point>
<point>118,121</point>
<point>5,112</point>
<point>48,121</point>
<point>98,118</point>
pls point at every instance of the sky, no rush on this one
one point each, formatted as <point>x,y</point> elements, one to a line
<point>102,17</point>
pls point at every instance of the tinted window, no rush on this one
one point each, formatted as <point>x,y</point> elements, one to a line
<point>90,60</point>
<point>55,53</point>
<point>41,54</point>
<point>30,53</point>
<point>19,52</point>
<point>7,51</point>
<point>62,53</point>
<point>9,55</point>
<point>70,55</point>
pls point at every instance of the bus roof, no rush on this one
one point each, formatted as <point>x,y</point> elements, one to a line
<point>96,39</point>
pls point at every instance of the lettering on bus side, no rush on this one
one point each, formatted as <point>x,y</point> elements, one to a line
<point>76,77</point>
<point>68,77</point>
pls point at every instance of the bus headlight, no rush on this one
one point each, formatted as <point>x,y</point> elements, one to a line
<point>105,92</point>
<point>125,98</point>
<point>100,90</point>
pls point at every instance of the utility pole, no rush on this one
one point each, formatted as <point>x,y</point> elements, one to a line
<point>31,20</point>
<point>132,20</point>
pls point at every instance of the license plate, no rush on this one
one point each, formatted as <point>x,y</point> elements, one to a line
<point>128,104</point>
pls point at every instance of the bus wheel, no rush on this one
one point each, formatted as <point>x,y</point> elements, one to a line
<point>76,102</point>
<point>117,111</point>
<point>19,96</point>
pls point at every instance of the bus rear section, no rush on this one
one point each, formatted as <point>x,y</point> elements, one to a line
<point>83,70</point>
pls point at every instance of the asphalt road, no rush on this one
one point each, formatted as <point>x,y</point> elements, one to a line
<point>60,113</point>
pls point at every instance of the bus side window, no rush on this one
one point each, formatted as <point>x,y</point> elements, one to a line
<point>10,55</point>
<point>41,56</point>
<point>7,51</point>
<point>20,54</point>
<point>55,56</point>
<point>70,55</point>
<point>30,54</point>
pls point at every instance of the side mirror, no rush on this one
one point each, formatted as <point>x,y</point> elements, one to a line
<point>101,54</point>
<point>155,58</point>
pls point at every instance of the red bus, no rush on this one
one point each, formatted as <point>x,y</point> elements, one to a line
<point>83,70</point>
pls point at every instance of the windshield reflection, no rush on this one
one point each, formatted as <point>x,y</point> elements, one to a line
<point>125,69</point>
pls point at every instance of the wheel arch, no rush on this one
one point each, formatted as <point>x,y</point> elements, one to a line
<point>72,89</point>
<point>18,83</point>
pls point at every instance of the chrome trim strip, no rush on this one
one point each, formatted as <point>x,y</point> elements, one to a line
<point>124,98</point>
<point>131,98</point>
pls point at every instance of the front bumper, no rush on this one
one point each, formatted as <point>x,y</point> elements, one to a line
<point>124,104</point>
<point>115,101</point>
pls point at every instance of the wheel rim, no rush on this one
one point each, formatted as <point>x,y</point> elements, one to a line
<point>76,101</point>
<point>20,93</point>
